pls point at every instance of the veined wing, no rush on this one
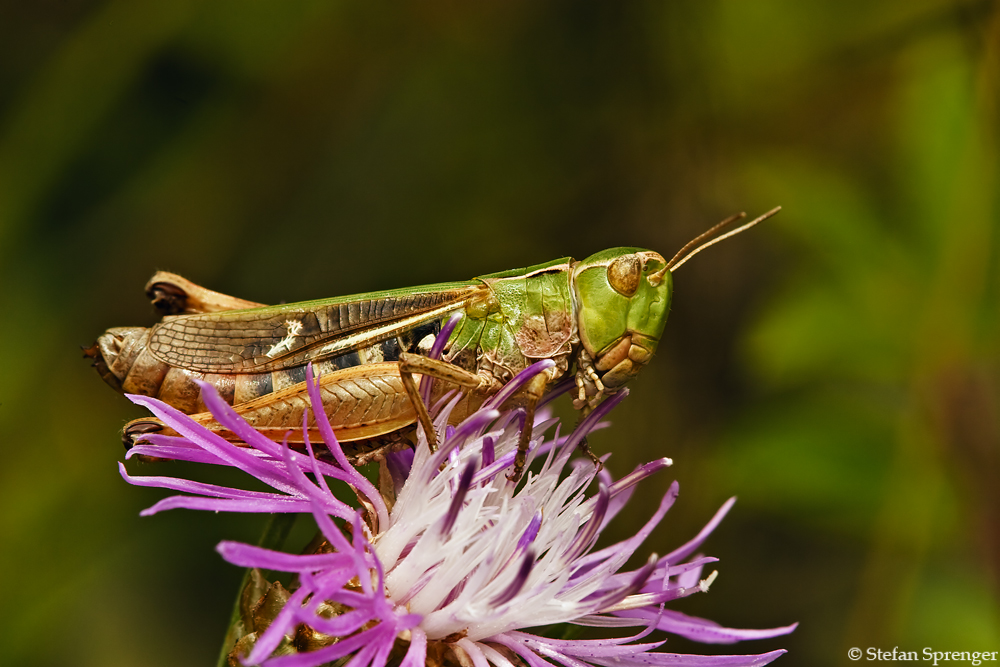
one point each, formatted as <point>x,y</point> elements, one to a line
<point>279,337</point>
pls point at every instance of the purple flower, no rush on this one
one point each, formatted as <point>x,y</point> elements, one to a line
<point>449,561</point>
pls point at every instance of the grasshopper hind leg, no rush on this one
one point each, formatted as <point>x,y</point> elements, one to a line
<point>173,295</point>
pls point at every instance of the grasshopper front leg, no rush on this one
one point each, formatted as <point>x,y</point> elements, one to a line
<point>534,391</point>
<point>590,389</point>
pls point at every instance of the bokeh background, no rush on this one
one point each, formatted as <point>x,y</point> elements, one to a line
<point>836,368</point>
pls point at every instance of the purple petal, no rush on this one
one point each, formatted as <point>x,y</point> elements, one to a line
<point>458,499</point>
<point>519,581</point>
<point>586,537</point>
<point>246,555</point>
<point>559,442</point>
<point>313,460</point>
<point>381,633</point>
<point>498,466</point>
<point>626,548</point>
<point>651,601</point>
<point>689,547</point>
<point>605,599</point>
<point>656,582</point>
<point>681,660</point>
<point>365,657</point>
<point>530,533</point>
<point>640,473</point>
<point>399,464</point>
<point>161,440</point>
<point>426,381</point>
<point>329,585</point>
<point>690,577</point>
<point>174,453</point>
<point>341,625</point>
<point>174,447</point>
<point>518,382</point>
<point>557,390</point>
<point>530,639</point>
<point>588,649</point>
<point>227,417</point>
<point>330,531</point>
<point>212,442</point>
<point>495,657</point>
<point>201,488</point>
<point>444,335</point>
<point>521,650</point>
<point>226,505</point>
<point>590,421</point>
<point>357,480</point>
<point>705,631</point>
<point>473,424</point>
<point>608,652</point>
<point>340,543</point>
<point>381,653</point>
<point>564,659</point>
<point>362,548</point>
<point>271,638</point>
<point>320,497</point>
<point>688,574</point>
<point>416,655</point>
<point>473,650</point>
<point>489,451</point>
<point>617,501</point>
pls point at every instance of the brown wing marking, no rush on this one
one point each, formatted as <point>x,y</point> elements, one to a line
<point>280,337</point>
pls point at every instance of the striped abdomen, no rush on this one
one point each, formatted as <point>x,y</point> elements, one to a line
<point>126,363</point>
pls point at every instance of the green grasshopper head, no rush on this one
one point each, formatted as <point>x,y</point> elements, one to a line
<point>623,297</point>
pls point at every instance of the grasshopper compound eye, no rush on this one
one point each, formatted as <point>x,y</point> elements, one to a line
<point>624,274</point>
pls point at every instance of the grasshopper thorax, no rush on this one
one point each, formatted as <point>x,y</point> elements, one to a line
<point>623,297</point>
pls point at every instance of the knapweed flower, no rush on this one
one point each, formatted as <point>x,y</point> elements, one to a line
<point>448,562</point>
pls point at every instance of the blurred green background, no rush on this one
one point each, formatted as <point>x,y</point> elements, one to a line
<point>836,368</point>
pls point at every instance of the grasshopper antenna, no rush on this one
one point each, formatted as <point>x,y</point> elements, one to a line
<point>704,235</point>
<point>686,253</point>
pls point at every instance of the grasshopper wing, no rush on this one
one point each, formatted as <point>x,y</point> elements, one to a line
<point>273,338</point>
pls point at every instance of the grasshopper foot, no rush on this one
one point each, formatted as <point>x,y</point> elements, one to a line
<point>584,448</point>
<point>590,389</point>
<point>137,428</point>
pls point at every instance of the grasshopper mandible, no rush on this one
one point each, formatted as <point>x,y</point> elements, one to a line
<point>600,318</point>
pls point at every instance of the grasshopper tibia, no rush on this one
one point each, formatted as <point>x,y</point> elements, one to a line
<point>534,391</point>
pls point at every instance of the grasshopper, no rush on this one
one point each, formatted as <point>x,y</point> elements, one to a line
<point>600,319</point>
